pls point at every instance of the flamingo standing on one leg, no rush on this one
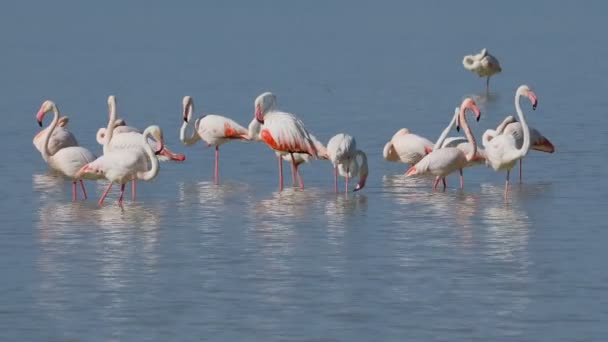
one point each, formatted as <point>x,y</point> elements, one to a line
<point>353,169</point>
<point>501,149</point>
<point>483,64</point>
<point>282,132</point>
<point>67,160</point>
<point>538,141</point>
<point>213,129</point>
<point>121,166</point>
<point>406,147</point>
<point>341,149</point>
<point>444,161</point>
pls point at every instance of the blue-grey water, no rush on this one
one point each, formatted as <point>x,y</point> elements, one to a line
<point>241,262</point>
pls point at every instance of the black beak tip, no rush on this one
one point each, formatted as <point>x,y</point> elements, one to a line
<point>534,106</point>
<point>40,123</point>
<point>457,128</point>
<point>479,117</point>
<point>186,120</point>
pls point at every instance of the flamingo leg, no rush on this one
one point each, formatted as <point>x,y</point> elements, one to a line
<point>280,173</point>
<point>488,85</point>
<point>445,185</point>
<point>216,174</point>
<point>105,193</point>
<point>293,170</point>
<point>520,162</point>
<point>336,179</point>
<point>74,195</point>
<point>84,192</point>
<point>133,189</point>
<point>507,184</point>
<point>122,193</point>
<point>346,182</point>
<point>300,178</point>
<point>461,179</point>
<point>436,183</point>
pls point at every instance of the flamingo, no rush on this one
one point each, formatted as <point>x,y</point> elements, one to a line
<point>483,64</point>
<point>212,129</point>
<point>501,148</point>
<point>406,147</point>
<point>443,161</point>
<point>300,158</point>
<point>122,165</point>
<point>538,142</point>
<point>352,169</point>
<point>282,132</point>
<point>67,160</point>
<point>60,138</point>
<point>341,149</point>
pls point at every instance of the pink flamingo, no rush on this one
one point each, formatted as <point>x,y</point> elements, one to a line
<point>282,132</point>
<point>406,147</point>
<point>212,129</point>
<point>501,148</point>
<point>353,169</point>
<point>60,138</point>
<point>444,161</point>
<point>122,165</point>
<point>341,149</point>
<point>483,64</point>
<point>67,160</point>
<point>538,141</point>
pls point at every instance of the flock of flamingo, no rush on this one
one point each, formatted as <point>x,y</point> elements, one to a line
<point>131,155</point>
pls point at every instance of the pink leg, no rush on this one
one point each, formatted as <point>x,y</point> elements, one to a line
<point>520,161</point>
<point>74,195</point>
<point>293,170</point>
<point>122,193</point>
<point>84,192</point>
<point>436,183</point>
<point>445,185</point>
<point>105,193</point>
<point>217,159</point>
<point>300,178</point>
<point>461,179</point>
<point>336,179</point>
<point>280,173</point>
<point>133,189</point>
<point>507,184</point>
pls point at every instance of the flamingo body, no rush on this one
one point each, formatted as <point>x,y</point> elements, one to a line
<point>60,138</point>
<point>406,147</point>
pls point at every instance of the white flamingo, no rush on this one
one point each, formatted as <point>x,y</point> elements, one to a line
<point>353,169</point>
<point>67,160</point>
<point>213,129</point>
<point>60,138</point>
<point>538,142</point>
<point>341,150</point>
<point>122,165</point>
<point>283,132</point>
<point>444,161</point>
<point>406,147</point>
<point>501,149</point>
<point>483,64</point>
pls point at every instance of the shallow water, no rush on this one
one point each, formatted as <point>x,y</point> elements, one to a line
<point>190,260</point>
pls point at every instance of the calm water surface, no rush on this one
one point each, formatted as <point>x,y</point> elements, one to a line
<point>241,262</point>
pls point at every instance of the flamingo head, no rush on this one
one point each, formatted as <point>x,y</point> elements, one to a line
<point>525,90</point>
<point>63,121</point>
<point>46,107</point>
<point>157,134</point>
<point>470,104</point>
<point>363,171</point>
<point>188,108</point>
<point>119,122</point>
<point>264,103</point>
<point>111,104</point>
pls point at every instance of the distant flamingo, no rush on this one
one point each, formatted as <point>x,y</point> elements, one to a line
<point>67,160</point>
<point>282,132</point>
<point>501,149</point>
<point>299,158</point>
<point>215,130</point>
<point>60,138</point>
<point>538,141</point>
<point>122,165</point>
<point>444,161</point>
<point>483,64</point>
<point>341,149</point>
<point>353,169</point>
<point>406,147</point>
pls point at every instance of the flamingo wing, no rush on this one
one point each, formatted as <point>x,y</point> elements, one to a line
<point>284,132</point>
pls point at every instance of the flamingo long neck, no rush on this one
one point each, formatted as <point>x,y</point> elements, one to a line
<point>153,171</point>
<point>193,138</point>
<point>49,131</point>
<point>363,170</point>
<point>109,132</point>
<point>525,147</point>
<point>446,131</point>
<point>468,134</point>
<point>508,120</point>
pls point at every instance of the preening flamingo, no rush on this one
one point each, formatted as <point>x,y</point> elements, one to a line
<point>215,130</point>
<point>282,132</point>
<point>354,169</point>
<point>406,147</point>
<point>299,158</point>
<point>483,64</point>
<point>122,165</point>
<point>60,138</point>
<point>67,160</point>
<point>538,141</point>
<point>501,149</point>
<point>341,149</point>
<point>444,161</point>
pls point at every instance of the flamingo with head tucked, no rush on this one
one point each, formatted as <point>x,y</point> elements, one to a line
<point>67,160</point>
<point>483,64</point>
<point>444,161</point>
<point>213,129</point>
<point>283,132</point>
<point>406,147</point>
<point>351,168</point>
<point>341,150</point>
<point>501,148</point>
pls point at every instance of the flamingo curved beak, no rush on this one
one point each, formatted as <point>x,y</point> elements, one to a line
<point>533,98</point>
<point>361,184</point>
<point>258,114</point>
<point>39,117</point>
<point>165,152</point>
